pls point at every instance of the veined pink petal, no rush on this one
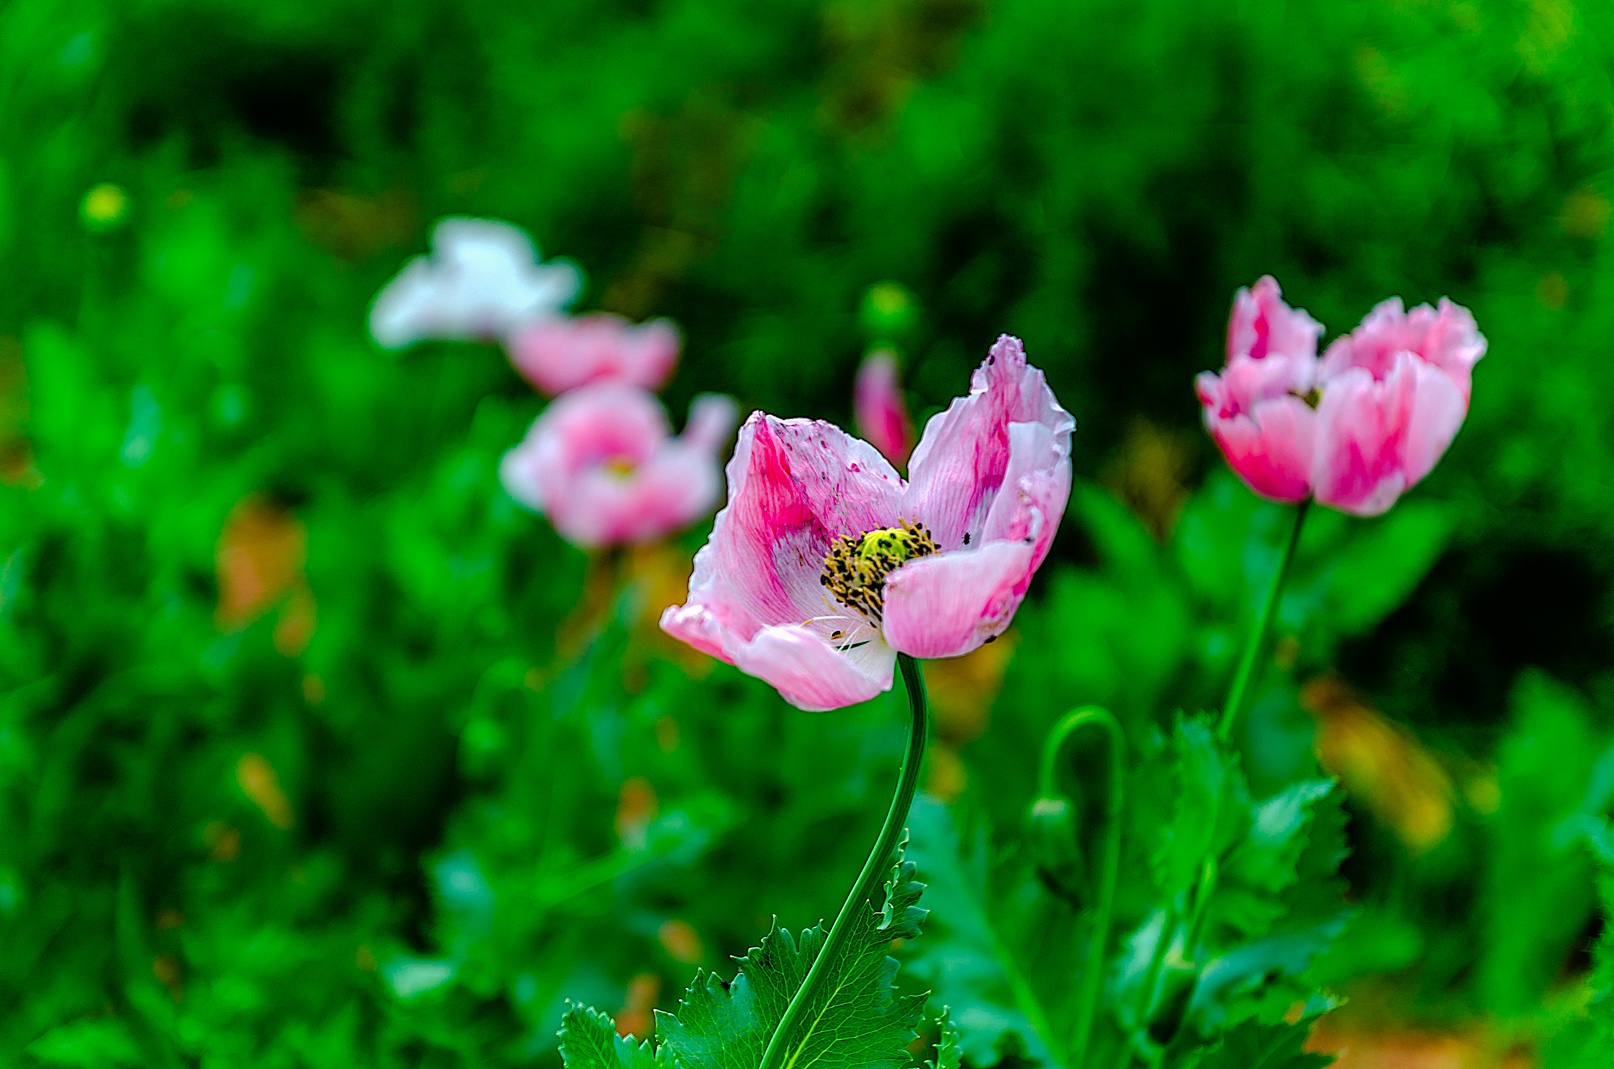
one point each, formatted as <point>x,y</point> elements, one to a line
<point>949,604</point>
<point>878,407</point>
<point>964,455</point>
<point>794,486</point>
<point>1271,448</point>
<point>810,673</point>
<point>560,354</point>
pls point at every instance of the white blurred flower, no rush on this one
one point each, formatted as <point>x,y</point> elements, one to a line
<point>482,280</point>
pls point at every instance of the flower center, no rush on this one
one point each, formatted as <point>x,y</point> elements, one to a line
<point>856,565</point>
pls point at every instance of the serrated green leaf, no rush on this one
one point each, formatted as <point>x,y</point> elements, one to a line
<point>1252,1045</point>
<point>1262,977</point>
<point>949,1053</point>
<point>963,955</point>
<point>1212,806</point>
<point>855,1019</point>
<point>588,1040</point>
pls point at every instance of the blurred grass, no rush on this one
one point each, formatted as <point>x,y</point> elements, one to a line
<point>184,376</point>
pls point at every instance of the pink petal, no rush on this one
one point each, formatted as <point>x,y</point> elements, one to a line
<point>1262,326</point>
<point>1271,449</point>
<point>810,673</point>
<point>1446,338</point>
<point>878,407</point>
<point>1358,467</point>
<point>1034,494</point>
<point>963,457</point>
<point>681,481</point>
<point>951,603</point>
<point>1378,437</point>
<point>1439,405</point>
<point>794,485</point>
<point>557,355</point>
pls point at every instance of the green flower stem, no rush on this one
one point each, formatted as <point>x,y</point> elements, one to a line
<point>1109,863</point>
<point>1258,633</point>
<point>874,869</point>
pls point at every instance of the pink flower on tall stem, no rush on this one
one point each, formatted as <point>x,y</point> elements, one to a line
<point>825,564</point>
<point>557,355</point>
<point>878,408</point>
<point>1256,409</point>
<point>1354,430</point>
<point>602,465</point>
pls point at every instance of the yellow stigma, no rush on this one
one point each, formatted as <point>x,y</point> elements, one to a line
<point>856,565</point>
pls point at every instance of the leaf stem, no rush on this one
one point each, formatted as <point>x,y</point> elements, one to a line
<point>1258,632</point>
<point>1109,863</point>
<point>874,869</point>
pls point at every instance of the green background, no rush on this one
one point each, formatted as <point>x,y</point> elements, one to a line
<point>1096,178</point>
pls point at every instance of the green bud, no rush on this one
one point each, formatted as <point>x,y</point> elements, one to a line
<point>1051,829</point>
<point>889,312</point>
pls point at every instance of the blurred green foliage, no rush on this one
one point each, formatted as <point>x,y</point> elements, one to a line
<point>400,805</point>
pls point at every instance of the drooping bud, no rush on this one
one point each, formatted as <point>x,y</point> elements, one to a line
<point>1051,827</point>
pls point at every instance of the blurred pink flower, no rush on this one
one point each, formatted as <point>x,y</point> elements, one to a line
<point>825,563</point>
<point>602,465</point>
<point>482,280</point>
<point>1394,392</point>
<point>878,409</point>
<point>1354,430</point>
<point>1256,409</point>
<point>557,355</point>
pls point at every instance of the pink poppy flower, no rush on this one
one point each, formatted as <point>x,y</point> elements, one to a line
<point>1256,409</point>
<point>825,564</point>
<point>1355,430</point>
<point>602,465</point>
<point>1393,394</point>
<point>878,408</point>
<point>557,355</point>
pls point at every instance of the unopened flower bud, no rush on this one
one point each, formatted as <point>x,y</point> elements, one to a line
<point>1051,828</point>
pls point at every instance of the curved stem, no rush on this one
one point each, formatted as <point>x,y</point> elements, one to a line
<point>1109,863</point>
<point>1258,633</point>
<point>874,869</point>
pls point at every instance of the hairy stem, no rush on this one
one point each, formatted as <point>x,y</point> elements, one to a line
<point>1109,862</point>
<point>1258,632</point>
<point>778,1053</point>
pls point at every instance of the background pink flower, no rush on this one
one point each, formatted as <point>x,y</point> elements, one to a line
<point>1256,408</point>
<point>557,354</point>
<point>825,564</point>
<point>1356,429</point>
<point>602,465</point>
<point>878,407</point>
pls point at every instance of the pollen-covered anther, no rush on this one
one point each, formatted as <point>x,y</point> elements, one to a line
<point>856,566</point>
